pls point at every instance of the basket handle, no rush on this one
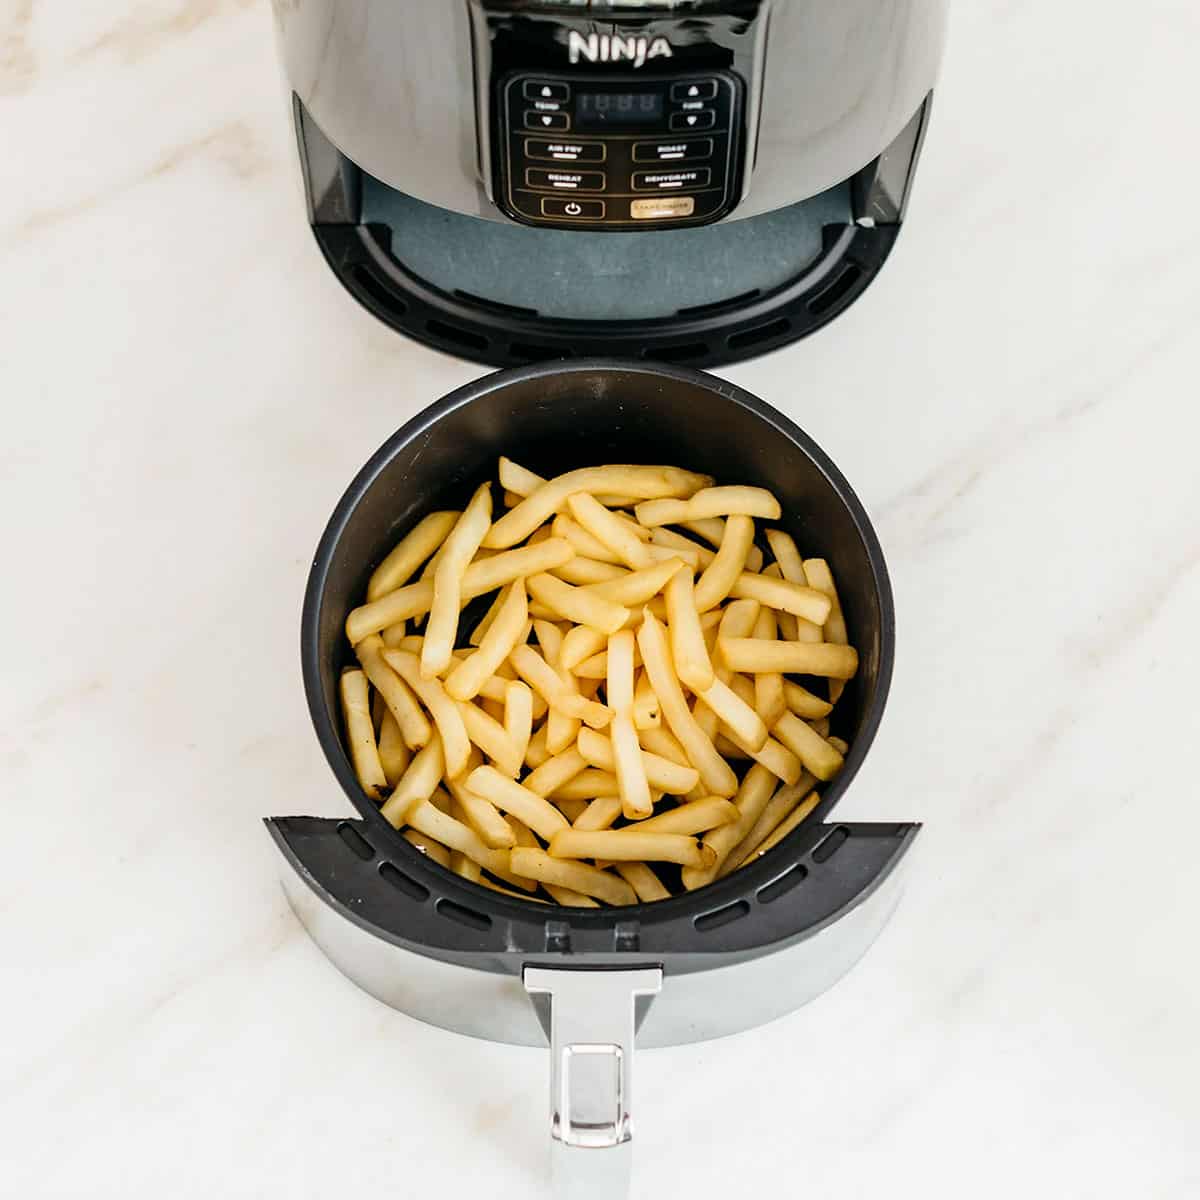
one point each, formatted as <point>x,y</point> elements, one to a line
<point>592,1020</point>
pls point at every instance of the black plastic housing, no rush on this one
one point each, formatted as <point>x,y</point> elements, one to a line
<point>552,418</point>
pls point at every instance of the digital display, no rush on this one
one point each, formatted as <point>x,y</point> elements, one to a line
<point>618,108</point>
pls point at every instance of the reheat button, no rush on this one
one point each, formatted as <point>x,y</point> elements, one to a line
<point>564,181</point>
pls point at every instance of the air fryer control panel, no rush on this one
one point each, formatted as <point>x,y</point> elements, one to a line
<point>618,152</point>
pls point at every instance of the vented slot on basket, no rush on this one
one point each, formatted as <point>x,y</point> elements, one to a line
<point>452,333</point>
<point>403,883</point>
<point>782,885</point>
<point>837,290</point>
<point>760,333</point>
<point>356,841</point>
<point>379,291</point>
<point>463,915</point>
<point>831,845</point>
<point>722,916</point>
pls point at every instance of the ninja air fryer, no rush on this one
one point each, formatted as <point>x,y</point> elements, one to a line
<point>690,181</point>
<point>745,949</point>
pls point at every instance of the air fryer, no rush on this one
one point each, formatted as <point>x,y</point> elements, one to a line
<point>689,181</point>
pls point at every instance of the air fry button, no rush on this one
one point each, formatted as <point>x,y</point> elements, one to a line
<point>671,181</point>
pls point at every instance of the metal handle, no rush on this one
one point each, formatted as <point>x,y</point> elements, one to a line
<point>592,1021</point>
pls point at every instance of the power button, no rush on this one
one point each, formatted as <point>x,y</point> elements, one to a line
<point>572,210</point>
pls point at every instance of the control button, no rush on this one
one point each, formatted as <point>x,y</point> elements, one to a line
<point>704,119</point>
<point>538,89</point>
<point>699,89</point>
<point>574,210</point>
<point>692,151</point>
<point>664,209</point>
<point>546,120</point>
<point>565,151</point>
<point>668,181</point>
<point>565,181</point>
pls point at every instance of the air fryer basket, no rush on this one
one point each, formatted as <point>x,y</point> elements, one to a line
<point>552,418</point>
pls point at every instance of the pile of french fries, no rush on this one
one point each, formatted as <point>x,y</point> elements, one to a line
<point>624,700</point>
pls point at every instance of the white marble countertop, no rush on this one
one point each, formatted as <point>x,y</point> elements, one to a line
<point>187,391</point>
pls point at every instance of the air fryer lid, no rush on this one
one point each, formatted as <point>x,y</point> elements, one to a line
<point>553,418</point>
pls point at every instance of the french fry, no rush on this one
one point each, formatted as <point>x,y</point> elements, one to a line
<point>527,481</point>
<point>462,866</point>
<point>818,756</point>
<point>556,771</point>
<point>665,744</point>
<point>456,745</point>
<point>710,502</point>
<point>518,715</point>
<point>792,821</point>
<point>727,567</point>
<point>661,773</point>
<point>394,755</point>
<point>483,816</point>
<point>482,576</point>
<point>646,712</point>
<point>418,783</point>
<point>632,845</point>
<point>787,556</point>
<point>550,639</point>
<point>485,623</point>
<point>695,555</point>
<point>610,531</point>
<point>428,819</point>
<point>792,658</point>
<point>803,703</point>
<point>571,809</point>
<point>600,813</point>
<point>747,726</point>
<point>459,548</point>
<point>778,807</point>
<point>568,898</point>
<point>688,649</point>
<point>643,880</point>
<point>586,572</point>
<point>636,588</point>
<point>619,665</point>
<point>428,847</point>
<point>586,546</point>
<point>399,697</point>
<point>630,767</point>
<point>492,738</point>
<point>579,877</point>
<point>469,675</point>
<point>769,700</point>
<point>536,753</point>
<point>692,817</point>
<point>803,602</point>
<point>409,553</point>
<point>580,605</point>
<point>646,482</point>
<point>819,576</point>
<point>712,530</point>
<point>360,733</point>
<point>587,785</point>
<point>509,796</point>
<point>752,797</point>
<point>545,680</point>
<point>393,635</point>
<point>516,478</point>
<point>579,644</point>
<point>715,773</point>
